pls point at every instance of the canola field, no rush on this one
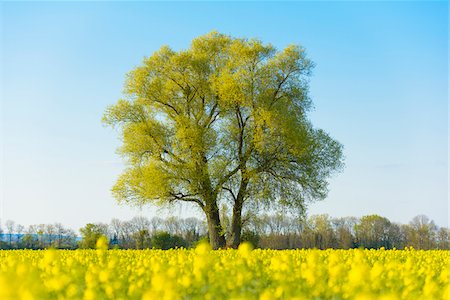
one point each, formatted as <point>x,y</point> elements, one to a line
<point>224,274</point>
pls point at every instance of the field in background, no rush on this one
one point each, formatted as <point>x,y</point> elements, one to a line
<point>224,274</point>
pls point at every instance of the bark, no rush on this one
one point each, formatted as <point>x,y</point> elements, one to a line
<point>236,227</point>
<point>236,222</point>
<point>215,230</point>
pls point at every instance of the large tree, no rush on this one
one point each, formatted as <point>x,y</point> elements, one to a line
<point>223,122</point>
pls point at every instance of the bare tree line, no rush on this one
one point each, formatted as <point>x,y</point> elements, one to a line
<point>39,236</point>
<point>322,231</point>
<point>276,231</point>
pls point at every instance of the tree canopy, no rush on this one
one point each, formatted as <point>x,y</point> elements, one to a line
<point>224,121</point>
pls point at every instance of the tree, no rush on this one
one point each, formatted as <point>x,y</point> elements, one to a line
<point>140,223</point>
<point>156,224</point>
<point>10,226</point>
<point>121,232</point>
<point>251,237</point>
<point>64,237</point>
<point>324,236</point>
<point>373,232</point>
<point>50,234</point>
<point>164,240</point>
<point>142,239</point>
<point>2,236</point>
<point>173,225</point>
<point>222,122</point>
<point>115,229</point>
<point>40,230</point>
<point>396,236</point>
<point>192,230</point>
<point>29,241</point>
<point>443,238</point>
<point>422,232</point>
<point>90,234</point>
<point>345,228</point>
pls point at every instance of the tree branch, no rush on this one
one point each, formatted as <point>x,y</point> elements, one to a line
<point>280,84</point>
<point>212,115</point>
<point>225,178</point>
<point>186,198</point>
<point>167,104</point>
<point>231,192</point>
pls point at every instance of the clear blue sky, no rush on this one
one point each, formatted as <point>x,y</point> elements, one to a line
<point>380,87</point>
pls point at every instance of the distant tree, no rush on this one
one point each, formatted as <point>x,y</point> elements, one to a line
<point>173,225</point>
<point>127,234</point>
<point>422,233</point>
<point>40,232</point>
<point>278,231</point>
<point>258,223</point>
<point>50,234</point>
<point>19,232</point>
<point>121,233</point>
<point>224,121</point>
<point>396,236</point>
<point>64,237</point>
<point>90,234</point>
<point>274,230</point>
<point>59,235</point>
<point>278,223</point>
<point>43,236</point>
<point>164,240</point>
<point>115,227</point>
<point>251,237</point>
<point>192,230</point>
<point>29,241</point>
<point>373,232</point>
<point>442,236</point>
<point>139,223</point>
<point>156,224</point>
<point>324,236</point>
<point>20,229</point>
<point>10,226</point>
<point>345,232</point>
<point>2,243</point>
<point>142,239</point>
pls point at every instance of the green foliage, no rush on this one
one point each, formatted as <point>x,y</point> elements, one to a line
<point>164,240</point>
<point>373,231</point>
<point>251,237</point>
<point>223,121</point>
<point>90,234</point>
<point>142,239</point>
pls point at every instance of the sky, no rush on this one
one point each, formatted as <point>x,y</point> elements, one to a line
<point>380,87</point>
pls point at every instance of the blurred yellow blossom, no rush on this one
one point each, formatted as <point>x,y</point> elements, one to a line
<point>245,273</point>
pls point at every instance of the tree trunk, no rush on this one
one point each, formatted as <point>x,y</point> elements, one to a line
<point>236,227</point>
<point>236,222</point>
<point>215,230</point>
